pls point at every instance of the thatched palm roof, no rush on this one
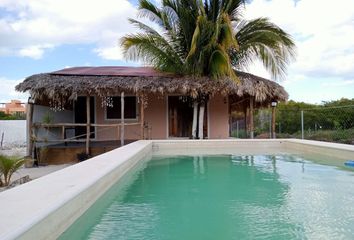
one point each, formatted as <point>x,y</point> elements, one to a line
<point>107,81</point>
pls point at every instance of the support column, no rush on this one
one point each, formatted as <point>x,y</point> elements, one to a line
<point>201,121</point>
<point>88,124</point>
<point>251,118</point>
<point>29,118</point>
<point>302,124</point>
<point>142,118</point>
<point>122,118</point>
<point>273,122</point>
<point>245,110</point>
<point>195,120</point>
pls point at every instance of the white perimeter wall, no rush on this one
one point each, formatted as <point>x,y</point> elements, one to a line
<point>14,132</point>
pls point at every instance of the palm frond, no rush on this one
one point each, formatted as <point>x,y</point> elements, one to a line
<point>197,37</point>
<point>148,10</point>
<point>143,26</point>
<point>263,40</point>
<point>151,49</point>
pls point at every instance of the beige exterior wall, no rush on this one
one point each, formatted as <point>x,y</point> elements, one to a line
<point>218,117</point>
<point>155,115</point>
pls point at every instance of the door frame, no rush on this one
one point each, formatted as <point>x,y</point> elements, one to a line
<point>94,116</point>
<point>167,118</point>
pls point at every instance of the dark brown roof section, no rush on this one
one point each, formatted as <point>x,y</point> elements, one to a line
<point>112,71</point>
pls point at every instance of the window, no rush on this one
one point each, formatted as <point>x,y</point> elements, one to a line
<point>114,111</point>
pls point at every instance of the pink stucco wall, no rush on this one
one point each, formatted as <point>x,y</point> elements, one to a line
<point>218,117</point>
<point>109,133</point>
<point>156,116</point>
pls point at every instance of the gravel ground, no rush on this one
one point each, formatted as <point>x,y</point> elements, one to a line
<point>34,172</point>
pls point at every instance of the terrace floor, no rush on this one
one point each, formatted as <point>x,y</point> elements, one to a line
<point>63,153</point>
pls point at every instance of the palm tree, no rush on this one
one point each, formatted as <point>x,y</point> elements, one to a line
<point>8,166</point>
<point>206,38</point>
<point>192,39</point>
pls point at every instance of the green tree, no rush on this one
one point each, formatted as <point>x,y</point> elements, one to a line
<point>8,166</point>
<point>15,116</point>
<point>199,38</point>
<point>206,38</point>
<point>330,121</point>
<point>194,37</point>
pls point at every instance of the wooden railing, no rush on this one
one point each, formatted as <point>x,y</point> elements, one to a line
<point>64,126</point>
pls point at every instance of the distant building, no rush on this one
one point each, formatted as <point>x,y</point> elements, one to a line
<point>13,107</point>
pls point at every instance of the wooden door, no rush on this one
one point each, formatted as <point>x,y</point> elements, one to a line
<point>180,116</point>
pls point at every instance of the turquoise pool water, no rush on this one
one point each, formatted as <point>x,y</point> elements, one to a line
<point>224,197</point>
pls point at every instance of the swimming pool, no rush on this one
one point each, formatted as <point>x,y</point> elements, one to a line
<point>268,196</point>
<point>48,206</point>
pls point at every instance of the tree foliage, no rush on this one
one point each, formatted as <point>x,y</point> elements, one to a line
<point>206,38</point>
<point>15,116</point>
<point>333,115</point>
<point>4,116</point>
<point>261,40</point>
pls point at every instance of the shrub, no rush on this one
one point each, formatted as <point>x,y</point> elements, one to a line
<point>8,166</point>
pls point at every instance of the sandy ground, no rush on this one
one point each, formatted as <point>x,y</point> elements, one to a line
<point>34,172</point>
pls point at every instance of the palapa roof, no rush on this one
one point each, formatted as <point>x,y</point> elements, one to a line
<point>107,81</point>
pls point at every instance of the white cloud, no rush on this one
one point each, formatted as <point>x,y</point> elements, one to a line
<point>34,52</point>
<point>338,84</point>
<point>7,90</point>
<point>323,33</point>
<point>31,27</point>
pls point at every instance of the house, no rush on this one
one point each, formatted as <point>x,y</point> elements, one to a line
<point>83,106</point>
<point>13,107</point>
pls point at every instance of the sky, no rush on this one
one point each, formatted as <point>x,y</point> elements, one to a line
<point>46,35</point>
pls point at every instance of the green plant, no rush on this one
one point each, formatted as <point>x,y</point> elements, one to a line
<point>206,38</point>
<point>8,166</point>
<point>42,154</point>
<point>47,118</point>
<point>240,134</point>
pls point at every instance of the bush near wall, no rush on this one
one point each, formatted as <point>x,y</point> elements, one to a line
<point>15,116</point>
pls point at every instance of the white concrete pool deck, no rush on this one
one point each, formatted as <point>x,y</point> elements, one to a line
<point>45,207</point>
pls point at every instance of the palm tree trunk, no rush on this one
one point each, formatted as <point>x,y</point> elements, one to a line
<point>195,120</point>
<point>201,121</point>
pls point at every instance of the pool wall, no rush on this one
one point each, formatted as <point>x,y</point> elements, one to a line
<point>255,146</point>
<point>46,207</point>
<point>342,151</point>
